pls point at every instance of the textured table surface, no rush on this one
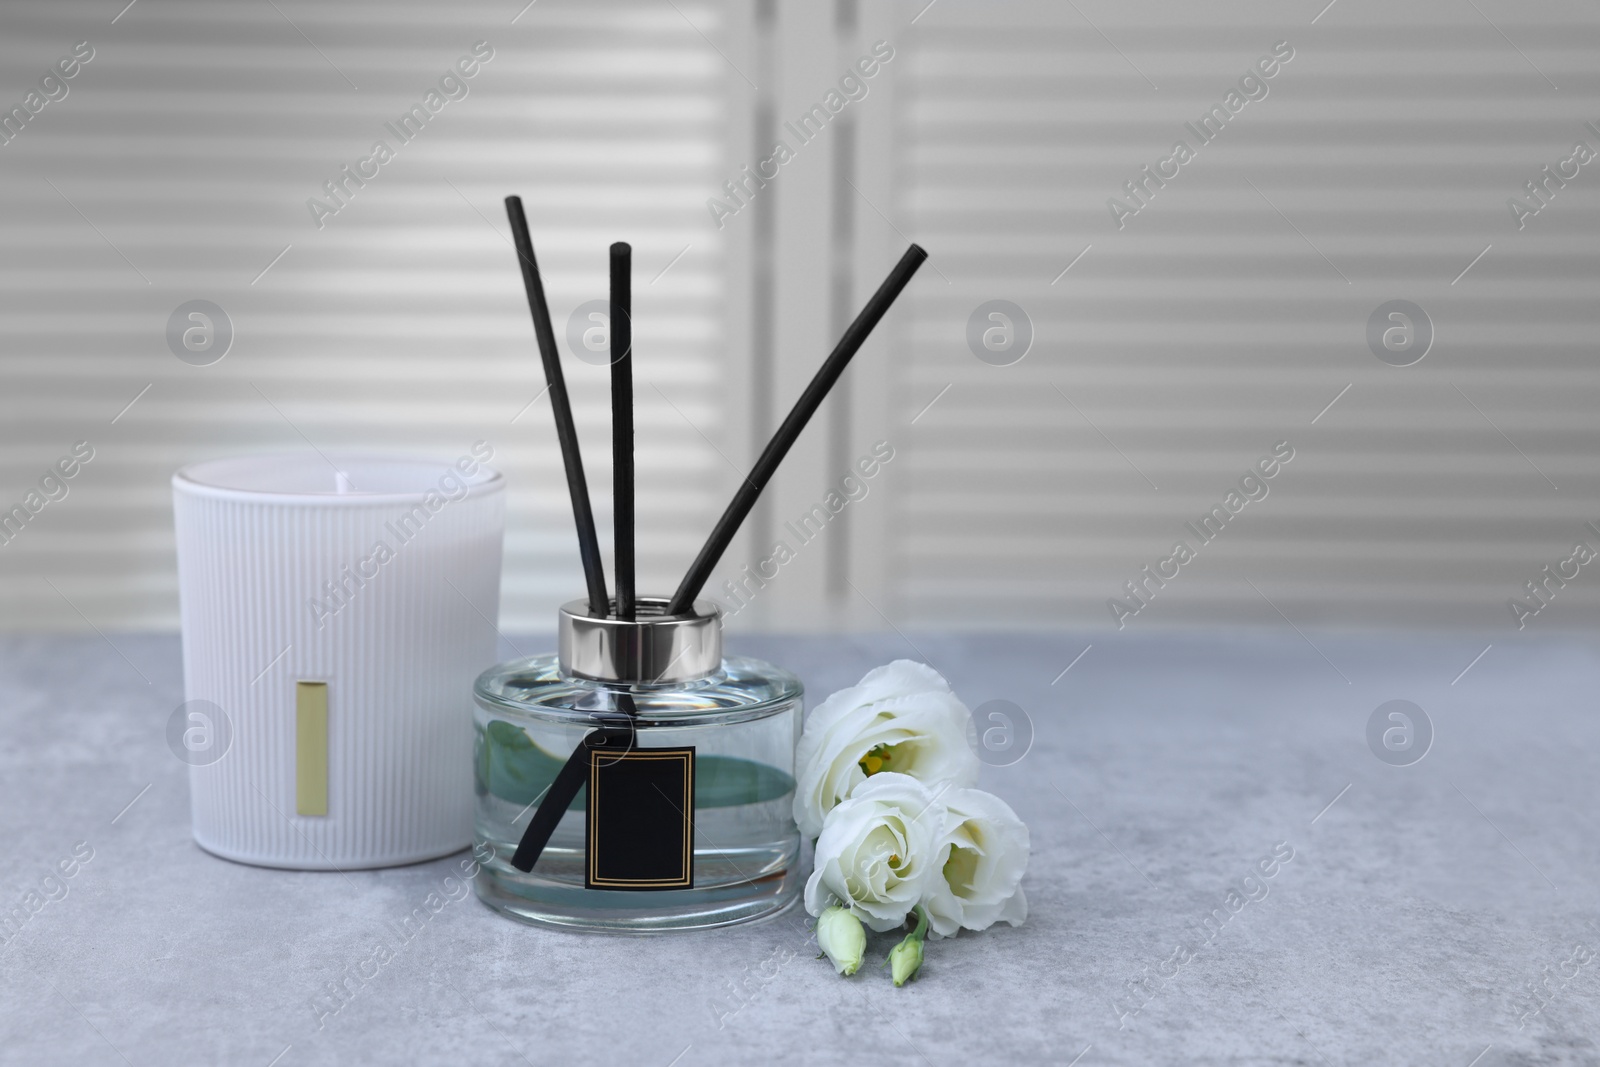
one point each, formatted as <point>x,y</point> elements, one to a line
<point>1421,905</point>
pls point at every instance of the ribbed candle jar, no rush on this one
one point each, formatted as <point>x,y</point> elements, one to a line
<point>335,611</point>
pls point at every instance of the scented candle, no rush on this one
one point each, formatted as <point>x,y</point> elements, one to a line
<point>335,609</point>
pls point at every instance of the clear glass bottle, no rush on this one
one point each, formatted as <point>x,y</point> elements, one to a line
<point>741,715</point>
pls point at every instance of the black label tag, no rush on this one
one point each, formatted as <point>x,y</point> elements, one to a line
<point>639,819</point>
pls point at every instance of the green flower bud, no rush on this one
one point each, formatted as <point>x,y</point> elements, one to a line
<point>905,959</point>
<point>841,938</point>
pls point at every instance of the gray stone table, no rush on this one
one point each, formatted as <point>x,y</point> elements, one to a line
<point>1421,906</point>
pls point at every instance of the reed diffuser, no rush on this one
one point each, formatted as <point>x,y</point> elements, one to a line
<point>638,779</point>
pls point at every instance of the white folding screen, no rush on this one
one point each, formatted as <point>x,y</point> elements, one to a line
<point>1180,329</point>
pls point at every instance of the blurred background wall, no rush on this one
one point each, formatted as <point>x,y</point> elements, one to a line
<point>1170,319</point>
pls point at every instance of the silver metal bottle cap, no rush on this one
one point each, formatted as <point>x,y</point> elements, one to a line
<point>654,649</point>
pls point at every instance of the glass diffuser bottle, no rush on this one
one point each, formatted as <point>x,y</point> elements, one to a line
<point>637,780</point>
<point>638,692</point>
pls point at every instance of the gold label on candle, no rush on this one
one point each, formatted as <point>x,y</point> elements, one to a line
<point>311,748</point>
<point>640,819</point>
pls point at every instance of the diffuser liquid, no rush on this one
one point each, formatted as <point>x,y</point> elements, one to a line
<point>743,722</point>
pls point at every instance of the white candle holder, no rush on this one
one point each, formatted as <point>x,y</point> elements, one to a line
<point>336,611</point>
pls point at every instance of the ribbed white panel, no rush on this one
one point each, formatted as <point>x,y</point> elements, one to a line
<point>1232,309</point>
<point>398,658</point>
<point>190,144</point>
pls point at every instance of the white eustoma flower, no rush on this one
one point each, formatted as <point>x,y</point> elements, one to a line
<point>879,852</point>
<point>984,851</point>
<point>901,717</point>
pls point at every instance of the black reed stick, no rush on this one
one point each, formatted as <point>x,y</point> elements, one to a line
<point>566,432</point>
<point>622,422</point>
<point>743,500</point>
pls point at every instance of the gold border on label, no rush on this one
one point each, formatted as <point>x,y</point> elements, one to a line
<point>687,879</point>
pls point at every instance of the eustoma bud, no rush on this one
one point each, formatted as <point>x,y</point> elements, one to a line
<point>905,959</point>
<point>842,939</point>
